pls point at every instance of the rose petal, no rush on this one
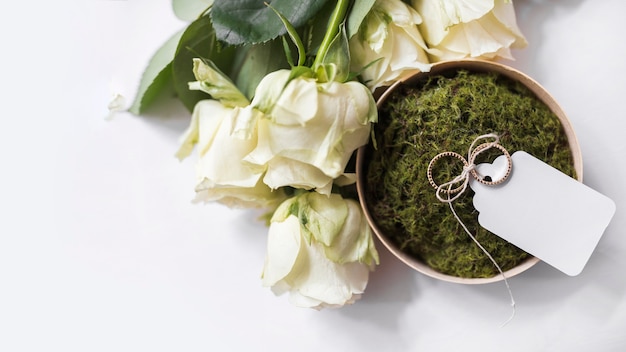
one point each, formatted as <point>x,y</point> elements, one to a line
<point>324,216</point>
<point>287,172</point>
<point>215,113</point>
<point>439,16</point>
<point>283,248</point>
<point>297,104</point>
<point>327,281</point>
<point>354,243</point>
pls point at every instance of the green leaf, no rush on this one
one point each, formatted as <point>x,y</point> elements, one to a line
<point>359,10</point>
<point>198,41</point>
<point>338,57</point>
<point>190,10</point>
<point>253,61</point>
<point>251,21</point>
<point>157,77</point>
<point>293,34</point>
<point>287,51</point>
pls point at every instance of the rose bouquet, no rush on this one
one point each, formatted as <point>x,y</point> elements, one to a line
<point>281,94</point>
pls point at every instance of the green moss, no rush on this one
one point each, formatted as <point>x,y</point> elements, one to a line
<point>446,113</point>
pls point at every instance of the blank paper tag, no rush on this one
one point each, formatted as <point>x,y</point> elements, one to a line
<point>542,211</point>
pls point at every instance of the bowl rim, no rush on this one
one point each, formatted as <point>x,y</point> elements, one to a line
<point>475,65</point>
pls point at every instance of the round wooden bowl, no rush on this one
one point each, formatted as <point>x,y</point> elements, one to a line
<point>473,66</point>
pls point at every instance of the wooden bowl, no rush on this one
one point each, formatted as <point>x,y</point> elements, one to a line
<point>472,66</point>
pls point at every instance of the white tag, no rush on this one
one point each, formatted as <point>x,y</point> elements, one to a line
<point>542,211</point>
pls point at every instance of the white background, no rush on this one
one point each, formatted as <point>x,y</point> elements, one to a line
<point>102,250</point>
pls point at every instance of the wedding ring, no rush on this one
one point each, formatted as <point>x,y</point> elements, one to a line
<point>430,170</point>
<point>481,148</point>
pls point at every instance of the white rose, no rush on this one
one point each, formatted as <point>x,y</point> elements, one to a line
<point>221,174</point>
<point>388,37</point>
<point>458,29</point>
<point>309,131</point>
<point>320,250</point>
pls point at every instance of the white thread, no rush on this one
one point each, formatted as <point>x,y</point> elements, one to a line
<point>506,282</point>
<point>465,177</point>
<point>465,174</point>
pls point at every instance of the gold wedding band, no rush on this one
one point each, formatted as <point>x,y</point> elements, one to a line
<point>509,161</point>
<point>434,160</point>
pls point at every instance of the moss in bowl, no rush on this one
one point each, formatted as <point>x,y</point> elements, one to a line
<point>444,111</point>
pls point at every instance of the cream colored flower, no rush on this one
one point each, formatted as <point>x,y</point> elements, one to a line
<point>221,174</point>
<point>390,43</point>
<point>308,131</point>
<point>320,250</point>
<point>455,29</point>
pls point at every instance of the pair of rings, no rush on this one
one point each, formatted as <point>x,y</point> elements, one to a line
<point>469,165</point>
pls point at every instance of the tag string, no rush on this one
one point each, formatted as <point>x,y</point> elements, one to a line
<point>469,169</point>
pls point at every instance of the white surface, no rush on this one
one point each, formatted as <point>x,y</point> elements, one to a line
<point>101,249</point>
